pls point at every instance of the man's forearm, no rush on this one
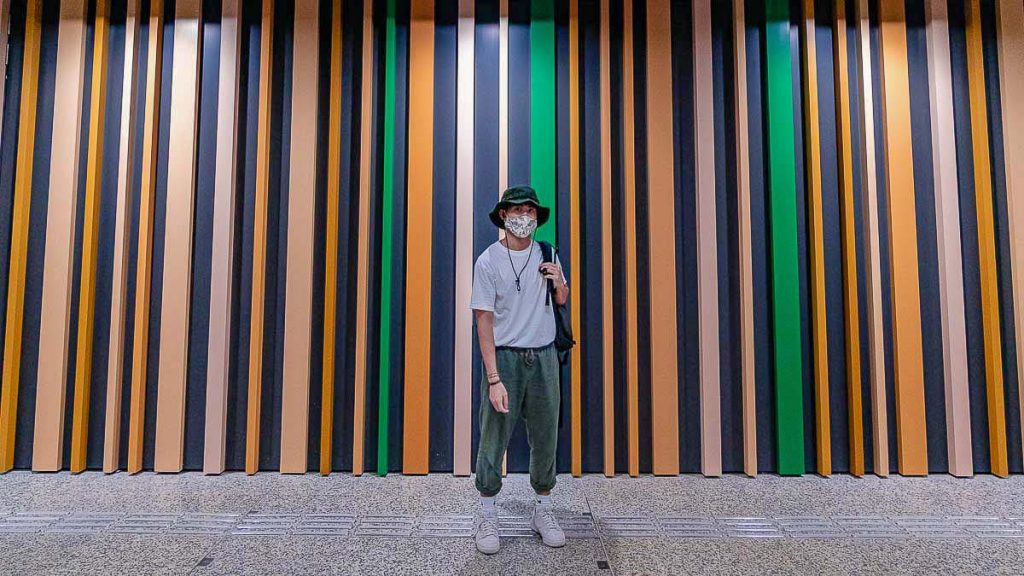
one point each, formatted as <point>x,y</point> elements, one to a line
<point>485,334</point>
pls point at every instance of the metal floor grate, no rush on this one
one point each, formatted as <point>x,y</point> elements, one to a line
<point>462,526</point>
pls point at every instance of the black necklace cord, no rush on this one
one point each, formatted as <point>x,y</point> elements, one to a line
<point>519,274</point>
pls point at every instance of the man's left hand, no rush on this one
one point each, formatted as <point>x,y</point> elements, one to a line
<point>552,271</point>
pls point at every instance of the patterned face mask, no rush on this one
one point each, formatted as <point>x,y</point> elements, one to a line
<point>521,226</point>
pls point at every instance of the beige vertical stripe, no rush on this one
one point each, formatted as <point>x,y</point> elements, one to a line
<point>298,308</point>
<point>464,249</point>
<point>947,224</point>
<point>48,440</point>
<point>575,399</point>
<point>122,218</point>
<point>739,31</point>
<point>707,242</point>
<point>177,264</point>
<point>866,105</point>
<point>222,255</point>
<point>1010,32</point>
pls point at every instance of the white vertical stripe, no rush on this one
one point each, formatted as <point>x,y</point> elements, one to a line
<point>218,359</point>
<point>464,245</point>
<point>866,104</point>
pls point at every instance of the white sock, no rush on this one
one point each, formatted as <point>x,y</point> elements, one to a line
<point>543,500</point>
<point>487,504</point>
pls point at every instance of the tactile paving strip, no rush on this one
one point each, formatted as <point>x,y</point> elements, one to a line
<point>256,523</point>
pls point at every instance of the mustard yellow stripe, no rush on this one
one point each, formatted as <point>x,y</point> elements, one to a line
<point>988,266</point>
<point>629,172</point>
<point>855,412</point>
<point>819,314</point>
<point>90,230</point>
<point>19,233</point>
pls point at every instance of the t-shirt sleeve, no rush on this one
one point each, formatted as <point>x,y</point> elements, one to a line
<point>483,286</point>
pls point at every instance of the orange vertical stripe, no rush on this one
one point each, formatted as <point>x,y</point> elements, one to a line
<point>331,249</point>
<point>851,318</point>
<point>817,242</point>
<point>365,198</point>
<point>259,258</point>
<point>629,173</point>
<point>576,444</point>
<point>662,243</point>
<point>416,429</point>
<point>19,233</point>
<point>90,230</point>
<point>906,297</point>
<point>62,206</point>
<point>988,267</point>
<point>140,346</point>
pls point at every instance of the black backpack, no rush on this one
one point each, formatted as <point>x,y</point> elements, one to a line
<point>564,341</point>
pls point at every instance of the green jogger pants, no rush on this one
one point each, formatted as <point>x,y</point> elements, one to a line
<point>531,377</point>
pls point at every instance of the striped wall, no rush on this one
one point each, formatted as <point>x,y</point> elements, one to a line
<point>240,235</point>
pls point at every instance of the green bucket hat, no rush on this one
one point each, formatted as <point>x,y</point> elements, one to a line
<point>519,195</point>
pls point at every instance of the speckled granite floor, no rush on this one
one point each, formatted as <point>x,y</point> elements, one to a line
<point>274,524</point>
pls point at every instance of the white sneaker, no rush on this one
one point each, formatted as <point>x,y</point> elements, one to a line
<point>544,523</point>
<point>487,534</point>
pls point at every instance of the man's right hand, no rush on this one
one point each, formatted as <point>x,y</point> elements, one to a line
<point>499,397</point>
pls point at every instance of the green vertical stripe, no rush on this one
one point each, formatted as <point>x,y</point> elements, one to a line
<point>386,248</point>
<point>789,419</point>
<point>542,109</point>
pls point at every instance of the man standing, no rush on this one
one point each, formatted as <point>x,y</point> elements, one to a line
<point>516,329</point>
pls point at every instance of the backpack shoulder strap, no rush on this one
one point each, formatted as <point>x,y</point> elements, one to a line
<point>545,253</point>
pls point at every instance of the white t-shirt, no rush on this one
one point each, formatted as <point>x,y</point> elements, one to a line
<point>522,318</point>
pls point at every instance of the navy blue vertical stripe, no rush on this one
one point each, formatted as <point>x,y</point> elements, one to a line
<point>618,238</point>
<point>159,227</point>
<point>928,258</point>
<point>562,212</point>
<point>995,123</point>
<point>686,238</point>
<point>756,126</point>
<point>131,262</point>
<point>248,99</point>
<point>316,351</point>
<point>348,234</point>
<point>485,162</point>
<point>105,251</point>
<point>643,288</point>
<point>202,241</point>
<point>590,237</point>
<point>37,235</point>
<point>883,235</point>
<point>442,330</point>
<point>969,236</point>
<point>833,247</point>
<point>76,267</point>
<point>731,362</point>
